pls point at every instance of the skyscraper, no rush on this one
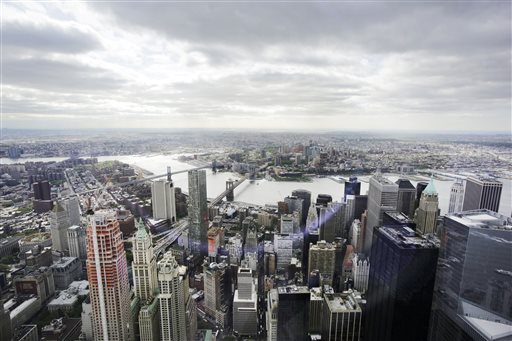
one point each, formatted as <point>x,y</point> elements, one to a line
<point>171,298</point>
<point>198,212</point>
<point>352,187</point>
<point>427,212</point>
<point>400,285</point>
<point>76,242</point>
<point>456,196</point>
<point>145,284</point>
<point>163,200</point>
<point>473,290</point>
<point>482,193</point>
<point>406,197</point>
<point>59,223</point>
<point>332,221</point>
<point>420,186</point>
<point>341,319</point>
<point>107,272</point>
<point>305,195</point>
<point>322,258</point>
<point>382,197</point>
<point>245,314</point>
<point>217,290</point>
<point>144,265</point>
<point>293,313</point>
<point>72,206</point>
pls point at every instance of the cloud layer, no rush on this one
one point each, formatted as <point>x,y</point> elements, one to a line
<point>383,66</point>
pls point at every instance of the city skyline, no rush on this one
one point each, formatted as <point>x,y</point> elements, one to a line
<point>301,66</point>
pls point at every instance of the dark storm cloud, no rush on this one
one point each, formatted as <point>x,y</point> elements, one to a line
<point>47,37</point>
<point>50,75</point>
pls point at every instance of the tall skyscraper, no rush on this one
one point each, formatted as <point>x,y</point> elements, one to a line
<point>427,212</point>
<point>293,313</point>
<point>332,221</point>
<point>42,196</point>
<point>352,187</point>
<point>360,273</point>
<point>144,265</point>
<point>341,319</point>
<point>76,242</point>
<point>59,223</point>
<point>400,285</point>
<point>482,193</point>
<point>456,196</point>
<point>72,206</point>
<point>295,204</point>
<point>473,290</point>
<point>382,197</point>
<point>217,290</point>
<point>107,272</point>
<point>406,197</point>
<point>420,186</point>
<point>198,212</point>
<point>171,298</point>
<point>149,321</point>
<point>305,195</point>
<point>245,313</point>
<point>322,258</point>
<point>163,200</point>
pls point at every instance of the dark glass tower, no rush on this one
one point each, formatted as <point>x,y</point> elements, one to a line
<point>473,290</point>
<point>293,313</point>
<point>305,195</point>
<point>400,285</point>
<point>352,187</point>
<point>482,193</point>
<point>198,212</point>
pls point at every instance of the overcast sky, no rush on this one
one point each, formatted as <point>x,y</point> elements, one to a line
<point>346,65</point>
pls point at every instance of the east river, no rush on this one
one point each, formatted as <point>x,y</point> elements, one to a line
<point>261,192</point>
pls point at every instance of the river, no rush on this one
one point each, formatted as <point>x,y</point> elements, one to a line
<point>261,192</point>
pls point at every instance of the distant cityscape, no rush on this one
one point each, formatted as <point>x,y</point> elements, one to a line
<point>255,236</point>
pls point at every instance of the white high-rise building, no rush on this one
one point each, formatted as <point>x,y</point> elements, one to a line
<point>360,272</point>
<point>144,265</point>
<point>355,234</point>
<point>171,298</point>
<point>163,200</point>
<point>382,197</point>
<point>245,313</point>
<point>72,206</point>
<point>456,197</point>
<point>76,242</point>
<point>59,223</point>
<point>107,272</point>
<point>271,318</point>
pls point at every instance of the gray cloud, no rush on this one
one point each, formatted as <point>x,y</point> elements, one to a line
<point>375,27</point>
<point>50,75</point>
<point>185,63</point>
<point>47,37</point>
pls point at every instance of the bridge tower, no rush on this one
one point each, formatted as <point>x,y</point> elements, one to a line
<point>169,173</point>
<point>230,196</point>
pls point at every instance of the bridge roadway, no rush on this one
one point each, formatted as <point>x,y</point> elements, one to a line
<point>170,238</point>
<point>219,198</point>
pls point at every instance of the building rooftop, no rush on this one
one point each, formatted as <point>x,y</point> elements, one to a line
<point>431,188</point>
<point>484,179</point>
<point>64,262</point>
<point>482,219</point>
<point>407,238</point>
<point>293,289</point>
<point>400,217</point>
<point>341,302</point>
<point>404,184</point>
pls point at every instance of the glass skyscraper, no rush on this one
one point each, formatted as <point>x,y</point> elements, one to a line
<point>473,291</point>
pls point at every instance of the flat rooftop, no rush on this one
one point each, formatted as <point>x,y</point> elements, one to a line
<point>405,237</point>
<point>402,218</point>
<point>293,289</point>
<point>340,302</point>
<point>483,219</point>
